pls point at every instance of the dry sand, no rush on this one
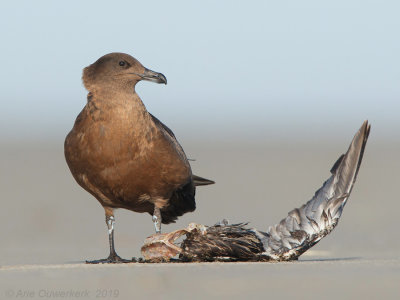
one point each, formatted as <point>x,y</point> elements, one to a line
<point>50,226</point>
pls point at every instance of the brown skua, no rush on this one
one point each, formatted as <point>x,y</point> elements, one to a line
<point>124,156</point>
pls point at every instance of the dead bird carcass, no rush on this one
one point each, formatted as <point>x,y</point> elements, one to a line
<point>287,240</point>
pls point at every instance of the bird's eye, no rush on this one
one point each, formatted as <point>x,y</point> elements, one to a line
<point>122,63</point>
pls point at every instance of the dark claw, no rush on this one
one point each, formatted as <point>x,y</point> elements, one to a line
<point>112,259</point>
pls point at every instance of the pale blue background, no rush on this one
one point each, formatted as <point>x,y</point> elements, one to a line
<point>269,68</point>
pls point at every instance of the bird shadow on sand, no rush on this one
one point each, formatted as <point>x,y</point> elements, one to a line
<point>174,261</point>
<point>339,259</point>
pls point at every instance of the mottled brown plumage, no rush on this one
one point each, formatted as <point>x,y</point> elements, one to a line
<point>299,231</point>
<point>123,155</point>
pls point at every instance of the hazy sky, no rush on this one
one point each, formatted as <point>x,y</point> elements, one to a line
<point>250,67</point>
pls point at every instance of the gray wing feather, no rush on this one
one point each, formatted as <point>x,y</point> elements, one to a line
<point>305,226</point>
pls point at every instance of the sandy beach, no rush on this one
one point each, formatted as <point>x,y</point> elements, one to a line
<point>52,225</point>
<point>351,278</point>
